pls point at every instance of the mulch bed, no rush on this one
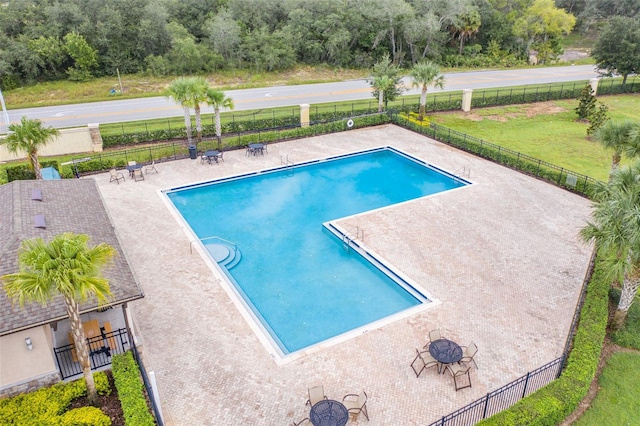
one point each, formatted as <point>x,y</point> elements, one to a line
<point>110,405</point>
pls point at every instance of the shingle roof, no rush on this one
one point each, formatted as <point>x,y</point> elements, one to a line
<point>68,205</point>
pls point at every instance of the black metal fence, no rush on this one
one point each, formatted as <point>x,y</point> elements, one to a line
<point>101,349</point>
<point>504,397</point>
<point>147,385</point>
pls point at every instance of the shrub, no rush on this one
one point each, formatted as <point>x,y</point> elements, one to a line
<point>131,390</point>
<point>85,416</point>
<point>47,406</point>
<point>24,171</point>
<point>586,103</point>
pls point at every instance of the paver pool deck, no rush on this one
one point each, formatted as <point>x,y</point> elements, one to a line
<point>503,257</point>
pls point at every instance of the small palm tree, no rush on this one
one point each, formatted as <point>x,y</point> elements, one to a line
<point>217,99</point>
<point>65,266</point>
<point>423,75</point>
<point>198,90</point>
<point>382,84</point>
<point>615,230</point>
<point>29,136</point>
<point>617,136</point>
<point>180,92</point>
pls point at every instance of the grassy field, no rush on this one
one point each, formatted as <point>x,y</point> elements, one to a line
<point>547,130</point>
<point>618,394</point>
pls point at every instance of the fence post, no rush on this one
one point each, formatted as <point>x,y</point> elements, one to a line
<point>526,382</point>
<point>146,128</point>
<point>486,406</point>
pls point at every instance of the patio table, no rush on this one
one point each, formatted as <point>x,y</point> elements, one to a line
<point>133,167</point>
<point>329,413</point>
<point>254,148</point>
<point>445,352</point>
<point>212,155</point>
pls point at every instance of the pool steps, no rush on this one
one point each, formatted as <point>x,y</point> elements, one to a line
<point>225,254</point>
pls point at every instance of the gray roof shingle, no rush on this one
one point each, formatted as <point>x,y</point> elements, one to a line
<point>68,205</point>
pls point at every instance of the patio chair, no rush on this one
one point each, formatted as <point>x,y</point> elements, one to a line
<point>458,372</point>
<point>151,166</point>
<point>316,394</point>
<point>433,336</point>
<point>422,361</point>
<point>116,176</point>
<point>304,421</point>
<point>469,354</point>
<point>137,175</point>
<point>356,404</point>
<point>220,156</point>
<point>131,163</point>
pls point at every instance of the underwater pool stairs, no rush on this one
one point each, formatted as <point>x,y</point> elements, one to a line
<point>224,252</point>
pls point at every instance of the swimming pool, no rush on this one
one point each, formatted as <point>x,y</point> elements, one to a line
<point>272,234</point>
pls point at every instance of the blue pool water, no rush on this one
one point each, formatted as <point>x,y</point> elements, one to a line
<point>296,276</point>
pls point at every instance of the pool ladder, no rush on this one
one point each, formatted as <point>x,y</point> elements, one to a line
<point>288,165</point>
<point>461,174</point>
<point>347,239</point>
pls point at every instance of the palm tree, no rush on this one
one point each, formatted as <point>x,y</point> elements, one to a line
<point>29,136</point>
<point>217,99</point>
<point>198,90</point>
<point>423,75</point>
<point>180,92</point>
<point>615,230</point>
<point>382,84</point>
<point>65,266</point>
<point>617,136</point>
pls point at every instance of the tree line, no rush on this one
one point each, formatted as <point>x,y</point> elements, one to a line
<point>43,40</point>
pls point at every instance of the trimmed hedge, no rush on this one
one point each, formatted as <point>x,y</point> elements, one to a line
<point>25,172</point>
<point>131,390</point>
<point>553,403</point>
<point>48,406</point>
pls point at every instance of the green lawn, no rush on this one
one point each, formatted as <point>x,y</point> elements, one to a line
<point>618,394</point>
<point>548,131</point>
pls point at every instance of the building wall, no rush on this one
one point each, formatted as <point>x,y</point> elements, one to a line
<point>70,141</point>
<point>23,370</point>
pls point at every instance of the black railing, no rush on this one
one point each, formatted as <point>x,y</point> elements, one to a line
<point>101,349</point>
<point>504,397</point>
<point>147,385</point>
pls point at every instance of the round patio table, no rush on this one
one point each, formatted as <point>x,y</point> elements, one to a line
<point>445,352</point>
<point>329,413</point>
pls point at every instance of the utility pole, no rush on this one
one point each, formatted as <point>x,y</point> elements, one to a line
<point>5,115</point>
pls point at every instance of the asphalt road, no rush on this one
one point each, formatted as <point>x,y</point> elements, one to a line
<point>269,97</point>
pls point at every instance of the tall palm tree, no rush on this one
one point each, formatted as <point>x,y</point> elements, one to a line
<point>217,99</point>
<point>198,89</point>
<point>65,266</point>
<point>615,230</point>
<point>423,75</point>
<point>180,92</point>
<point>29,136</point>
<point>617,136</point>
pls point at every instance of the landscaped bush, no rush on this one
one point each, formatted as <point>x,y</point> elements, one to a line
<point>629,335</point>
<point>553,403</point>
<point>47,406</point>
<point>131,390</point>
<point>24,171</point>
<point>85,416</point>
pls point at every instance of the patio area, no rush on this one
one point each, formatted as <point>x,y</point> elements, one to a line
<point>502,256</point>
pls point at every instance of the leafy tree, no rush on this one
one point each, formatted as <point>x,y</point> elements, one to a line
<point>269,51</point>
<point>51,52</point>
<point>541,26</point>
<point>617,50</point>
<point>614,229</point>
<point>65,266</point>
<point>180,92</point>
<point>84,56</point>
<point>29,136</point>
<point>224,35</point>
<point>424,74</point>
<point>217,99</point>
<point>616,136</point>
<point>385,77</point>
<point>586,103</point>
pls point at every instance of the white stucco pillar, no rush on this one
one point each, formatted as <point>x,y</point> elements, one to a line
<point>96,137</point>
<point>304,115</point>
<point>594,85</point>
<point>466,99</point>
